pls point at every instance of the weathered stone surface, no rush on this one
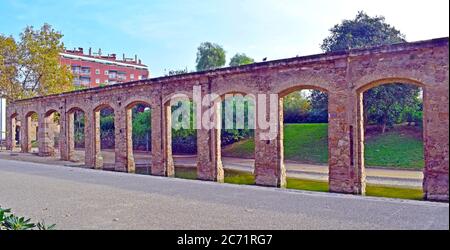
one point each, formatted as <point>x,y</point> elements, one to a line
<point>344,76</point>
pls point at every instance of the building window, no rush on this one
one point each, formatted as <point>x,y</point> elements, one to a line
<point>76,70</point>
<point>140,77</point>
<point>112,74</point>
<point>85,70</point>
<point>97,72</point>
<point>106,72</point>
<point>122,76</point>
<point>131,76</point>
<point>97,81</point>
<point>85,81</point>
<point>76,81</point>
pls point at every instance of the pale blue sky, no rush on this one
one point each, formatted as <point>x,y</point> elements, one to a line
<point>166,33</point>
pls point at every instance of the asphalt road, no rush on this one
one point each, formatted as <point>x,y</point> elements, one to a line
<point>75,198</point>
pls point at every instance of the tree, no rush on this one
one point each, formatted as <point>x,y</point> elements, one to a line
<point>30,66</point>
<point>387,104</point>
<point>362,32</point>
<point>210,56</point>
<point>296,107</point>
<point>319,101</point>
<point>240,59</point>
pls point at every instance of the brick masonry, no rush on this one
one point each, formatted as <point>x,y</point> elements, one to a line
<point>343,75</point>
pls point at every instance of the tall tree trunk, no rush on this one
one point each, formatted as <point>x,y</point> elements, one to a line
<point>384,125</point>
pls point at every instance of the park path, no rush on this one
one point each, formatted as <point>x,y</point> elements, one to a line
<point>390,177</point>
<point>79,198</point>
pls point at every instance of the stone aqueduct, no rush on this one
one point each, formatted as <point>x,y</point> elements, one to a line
<point>344,76</point>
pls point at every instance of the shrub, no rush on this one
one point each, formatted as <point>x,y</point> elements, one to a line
<point>9,221</point>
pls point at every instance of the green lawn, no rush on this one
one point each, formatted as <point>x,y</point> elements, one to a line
<point>394,149</point>
<point>245,178</point>
<point>307,143</point>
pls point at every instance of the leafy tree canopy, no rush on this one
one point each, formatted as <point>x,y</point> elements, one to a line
<point>210,56</point>
<point>30,66</point>
<point>383,103</point>
<point>241,59</point>
<point>362,32</point>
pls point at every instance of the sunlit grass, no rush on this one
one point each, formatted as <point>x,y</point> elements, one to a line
<point>246,178</point>
<point>307,143</point>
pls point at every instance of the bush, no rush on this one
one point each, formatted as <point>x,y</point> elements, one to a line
<point>9,221</point>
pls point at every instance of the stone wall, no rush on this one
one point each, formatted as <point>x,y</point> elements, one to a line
<point>343,75</point>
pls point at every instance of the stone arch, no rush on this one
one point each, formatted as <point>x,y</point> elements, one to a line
<point>359,141</point>
<point>49,133</point>
<point>284,92</point>
<point>100,106</point>
<point>70,140</point>
<point>98,161</point>
<point>262,166</point>
<point>28,130</point>
<point>12,132</point>
<point>389,80</point>
<point>129,154</point>
<point>249,97</point>
<point>166,99</point>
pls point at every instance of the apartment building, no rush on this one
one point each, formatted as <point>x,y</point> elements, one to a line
<point>94,69</point>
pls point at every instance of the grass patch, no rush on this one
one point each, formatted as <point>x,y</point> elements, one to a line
<point>307,185</point>
<point>238,177</point>
<point>395,149</point>
<point>245,178</point>
<point>308,143</point>
<point>186,173</point>
<point>394,192</point>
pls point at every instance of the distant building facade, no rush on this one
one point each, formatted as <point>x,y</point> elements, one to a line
<point>94,69</point>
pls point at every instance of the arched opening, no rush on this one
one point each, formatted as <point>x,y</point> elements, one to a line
<point>139,137</point>
<point>391,131</point>
<point>305,137</point>
<point>238,121</point>
<point>104,148</point>
<point>30,135</point>
<point>15,131</point>
<point>180,144</point>
<point>76,122</point>
<point>50,134</point>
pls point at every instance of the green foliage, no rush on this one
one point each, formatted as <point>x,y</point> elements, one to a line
<point>309,106</point>
<point>319,101</point>
<point>296,107</point>
<point>210,56</point>
<point>9,221</point>
<point>30,66</point>
<point>234,134</point>
<point>383,105</point>
<point>362,32</point>
<point>390,104</point>
<point>240,59</point>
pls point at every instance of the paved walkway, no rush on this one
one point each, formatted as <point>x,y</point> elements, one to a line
<point>77,198</point>
<point>296,170</point>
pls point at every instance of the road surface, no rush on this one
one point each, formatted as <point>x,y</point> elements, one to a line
<point>76,198</point>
